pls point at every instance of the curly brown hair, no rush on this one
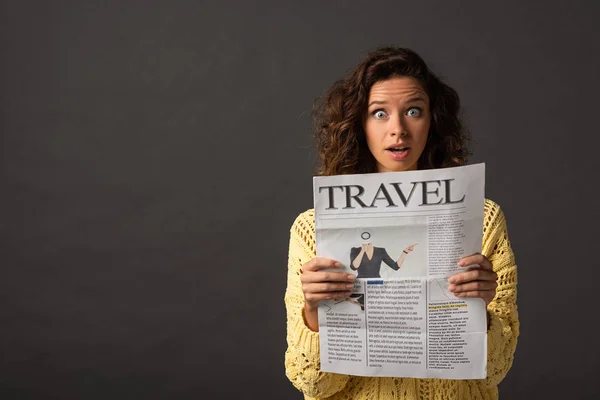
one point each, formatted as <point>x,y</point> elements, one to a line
<point>339,115</point>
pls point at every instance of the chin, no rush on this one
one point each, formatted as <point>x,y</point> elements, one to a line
<point>397,167</point>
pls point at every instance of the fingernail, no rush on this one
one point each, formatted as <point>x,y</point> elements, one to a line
<point>349,286</point>
<point>451,288</point>
<point>461,263</point>
<point>338,264</point>
<point>351,277</point>
<point>451,280</point>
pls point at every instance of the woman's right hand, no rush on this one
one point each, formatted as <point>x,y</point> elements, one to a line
<point>319,285</point>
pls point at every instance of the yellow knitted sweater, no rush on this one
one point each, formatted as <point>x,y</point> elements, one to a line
<point>302,356</point>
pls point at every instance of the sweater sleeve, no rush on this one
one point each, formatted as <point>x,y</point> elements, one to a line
<point>504,320</point>
<point>385,257</point>
<point>302,358</point>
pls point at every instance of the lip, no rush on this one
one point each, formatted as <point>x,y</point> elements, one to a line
<point>398,156</point>
<point>393,146</point>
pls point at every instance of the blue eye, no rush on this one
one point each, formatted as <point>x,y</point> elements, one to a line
<point>414,112</point>
<point>379,114</point>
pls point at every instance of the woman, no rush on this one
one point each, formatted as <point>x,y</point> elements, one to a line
<point>393,114</point>
<point>367,259</point>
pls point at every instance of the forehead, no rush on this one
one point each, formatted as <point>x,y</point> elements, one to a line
<point>398,88</point>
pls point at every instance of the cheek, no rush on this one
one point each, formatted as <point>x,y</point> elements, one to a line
<point>422,133</point>
<point>374,133</point>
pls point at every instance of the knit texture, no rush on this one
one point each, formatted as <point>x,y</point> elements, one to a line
<point>302,358</point>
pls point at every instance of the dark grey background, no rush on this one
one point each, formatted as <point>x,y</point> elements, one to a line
<point>155,153</point>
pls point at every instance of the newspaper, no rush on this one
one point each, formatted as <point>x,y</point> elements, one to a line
<point>402,234</point>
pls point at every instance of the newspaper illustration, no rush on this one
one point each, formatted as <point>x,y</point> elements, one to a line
<point>402,234</point>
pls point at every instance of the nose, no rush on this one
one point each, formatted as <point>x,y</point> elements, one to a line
<point>398,126</point>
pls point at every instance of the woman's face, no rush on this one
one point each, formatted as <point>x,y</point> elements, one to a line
<point>397,123</point>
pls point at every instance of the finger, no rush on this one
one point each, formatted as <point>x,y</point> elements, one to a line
<point>474,286</point>
<point>473,275</point>
<point>318,263</point>
<point>326,276</point>
<point>316,297</point>
<point>476,259</point>
<point>487,296</point>
<point>326,287</point>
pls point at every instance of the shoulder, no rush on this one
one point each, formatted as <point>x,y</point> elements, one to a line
<point>302,235</point>
<point>381,251</point>
<point>305,219</point>
<point>494,223</point>
<point>493,215</point>
<point>304,225</point>
<point>491,208</point>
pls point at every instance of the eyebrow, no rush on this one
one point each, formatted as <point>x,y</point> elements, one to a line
<point>411,100</point>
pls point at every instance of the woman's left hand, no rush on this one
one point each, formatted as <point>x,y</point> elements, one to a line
<point>478,282</point>
<point>410,248</point>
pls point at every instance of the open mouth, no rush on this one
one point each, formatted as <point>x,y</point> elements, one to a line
<point>397,149</point>
<point>398,152</point>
